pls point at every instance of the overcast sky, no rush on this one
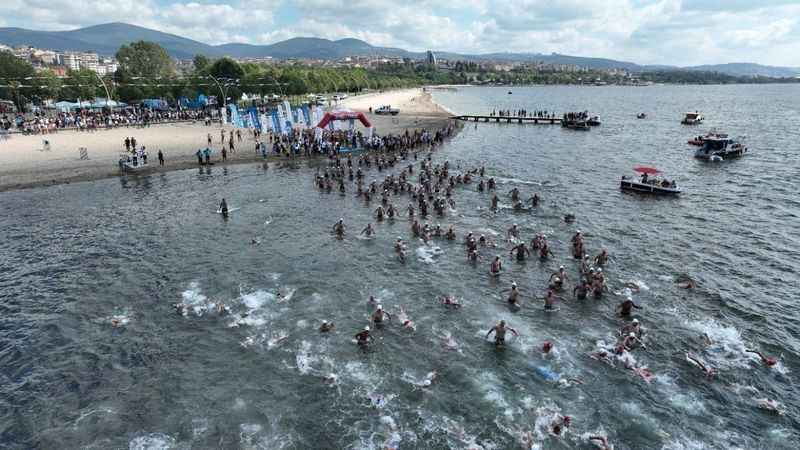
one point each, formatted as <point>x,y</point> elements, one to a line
<point>679,32</point>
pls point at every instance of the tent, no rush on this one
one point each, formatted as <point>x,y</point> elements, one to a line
<point>66,106</point>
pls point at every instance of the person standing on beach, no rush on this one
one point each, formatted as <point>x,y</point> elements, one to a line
<point>127,144</point>
<point>133,143</point>
<point>222,137</point>
<point>160,157</point>
<point>209,139</point>
<point>224,154</point>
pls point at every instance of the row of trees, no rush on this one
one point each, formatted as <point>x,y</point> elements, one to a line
<point>146,71</point>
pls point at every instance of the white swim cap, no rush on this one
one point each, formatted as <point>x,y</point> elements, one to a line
<point>560,267</point>
<point>599,270</point>
<point>579,232</point>
<point>366,328</point>
<point>632,334</point>
<point>635,320</point>
<point>557,279</point>
<point>514,283</point>
<point>591,269</point>
<point>380,307</point>
<point>324,322</point>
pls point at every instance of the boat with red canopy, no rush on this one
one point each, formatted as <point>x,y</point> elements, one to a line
<point>648,180</point>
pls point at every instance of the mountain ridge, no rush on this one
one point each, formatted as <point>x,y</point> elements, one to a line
<point>106,38</point>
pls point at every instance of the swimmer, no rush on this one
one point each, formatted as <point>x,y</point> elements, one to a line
<point>513,232</point>
<point>364,337</point>
<point>688,284</point>
<point>632,286</point>
<point>368,230</point>
<point>557,426</point>
<point>449,301</point>
<point>326,327</point>
<point>338,227</point>
<point>514,193</point>
<point>404,319</point>
<point>181,308</point>
<point>534,200</point>
<point>500,332</point>
<point>255,241</point>
<point>451,234</point>
<point>379,315</point>
<point>601,259</point>
<point>513,296</point>
<point>624,309</point>
<point>221,308</point>
<point>550,300</point>
<point>769,405</point>
<point>581,290</point>
<point>497,266</point>
<point>521,251</point>
<point>400,249</point>
<point>768,361</point>
<point>631,341</point>
<point>601,441</point>
<point>546,347</point>
<point>495,201</point>
<point>473,256</point>
<point>223,208</point>
<point>557,278</point>
<point>115,322</point>
<point>709,371</point>
<point>632,327</point>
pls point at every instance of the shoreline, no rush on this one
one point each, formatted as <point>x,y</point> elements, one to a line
<point>23,165</point>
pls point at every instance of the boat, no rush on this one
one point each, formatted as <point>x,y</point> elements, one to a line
<point>720,147</point>
<point>648,182</point>
<point>641,116</point>
<point>575,124</point>
<point>387,110</point>
<point>692,118</point>
<point>593,121</point>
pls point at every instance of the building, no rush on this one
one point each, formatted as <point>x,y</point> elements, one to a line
<point>72,61</point>
<point>431,59</point>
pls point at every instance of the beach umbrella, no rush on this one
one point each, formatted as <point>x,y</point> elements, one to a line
<point>647,170</point>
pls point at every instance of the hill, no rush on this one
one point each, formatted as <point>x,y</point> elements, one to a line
<point>105,39</point>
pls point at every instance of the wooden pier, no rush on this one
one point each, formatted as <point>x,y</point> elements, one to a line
<point>511,119</point>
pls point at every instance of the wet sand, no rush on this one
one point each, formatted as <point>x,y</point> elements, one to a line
<point>24,163</point>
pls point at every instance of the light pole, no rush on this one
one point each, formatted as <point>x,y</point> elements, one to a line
<point>108,95</point>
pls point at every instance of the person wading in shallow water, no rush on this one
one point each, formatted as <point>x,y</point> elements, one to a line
<point>499,331</point>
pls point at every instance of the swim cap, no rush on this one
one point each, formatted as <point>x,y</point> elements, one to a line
<point>591,269</point>
<point>599,270</point>
<point>380,307</point>
<point>324,322</point>
<point>632,334</point>
<point>557,279</point>
<point>635,320</point>
<point>366,328</point>
<point>579,232</point>
<point>560,267</point>
<point>514,283</point>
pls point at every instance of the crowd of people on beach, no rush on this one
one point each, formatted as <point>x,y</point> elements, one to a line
<point>97,119</point>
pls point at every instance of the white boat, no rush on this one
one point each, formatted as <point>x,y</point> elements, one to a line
<point>692,118</point>
<point>720,147</point>
<point>387,110</point>
<point>648,182</point>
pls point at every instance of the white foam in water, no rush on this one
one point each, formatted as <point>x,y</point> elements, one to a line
<point>152,441</point>
<point>727,348</point>
<point>684,444</point>
<point>304,359</point>
<point>195,300</point>
<point>257,299</point>
<point>199,427</point>
<point>427,253</point>
<point>239,404</point>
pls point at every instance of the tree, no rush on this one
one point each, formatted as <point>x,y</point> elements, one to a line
<point>13,73</point>
<point>145,59</point>
<point>200,63</point>
<point>226,68</point>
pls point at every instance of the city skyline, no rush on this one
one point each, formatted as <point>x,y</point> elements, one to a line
<point>675,32</point>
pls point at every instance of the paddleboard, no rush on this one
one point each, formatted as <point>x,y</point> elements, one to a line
<point>230,210</point>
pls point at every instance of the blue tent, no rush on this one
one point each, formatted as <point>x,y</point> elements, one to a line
<point>155,103</point>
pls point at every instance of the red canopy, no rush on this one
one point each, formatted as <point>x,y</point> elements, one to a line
<point>343,115</point>
<point>647,170</point>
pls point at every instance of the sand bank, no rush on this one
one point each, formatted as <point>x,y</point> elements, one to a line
<point>24,163</point>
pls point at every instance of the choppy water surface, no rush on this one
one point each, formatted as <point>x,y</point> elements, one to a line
<point>75,257</point>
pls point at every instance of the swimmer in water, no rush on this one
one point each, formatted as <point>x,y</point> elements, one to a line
<point>550,300</point>
<point>221,308</point>
<point>624,309</point>
<point>500,332</point>
<point>326,327</point>
<point>632,327</point>
<point>768,361</point>
<point>363,338</point>
<point>115,322</point>
<point>473,256</point>
<point>451,234</point>
<point>546,347</point>
<point>400,249</point>
<point>379,315</point>
<point>601,441</point>
<point>709,371</point>
<point>495,202</point>
<point>497,266</point>
<point>513,232</point>
<point>581,290</point>
<point>181,308</point>
<point>338,227</point>
<point>558,278</point>
<point>223,208</point>
<point>521,250</point>
<point>631,341</point>
<point>449,301</point>
<point>368,230</point>
<point>513,295</point>
<point>514,193</point>
<point>601,259</point>
<point>688,284</point>
<point>404,319</point>
<point>534,200</point>
<point>557,426</point>
<point>255,241</point>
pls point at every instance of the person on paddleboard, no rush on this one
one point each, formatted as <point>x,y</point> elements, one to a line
<point>223,208</point>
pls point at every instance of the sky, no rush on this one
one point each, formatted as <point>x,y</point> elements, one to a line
<point>674,32</point>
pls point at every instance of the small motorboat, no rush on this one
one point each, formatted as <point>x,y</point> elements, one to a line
<point>509,92</point>
<point>720,147</point>
<point>581,125</point>
<point>692,118</point>
<point>649,182</point>
<point>641,116</point>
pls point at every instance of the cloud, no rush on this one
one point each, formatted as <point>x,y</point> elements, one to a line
<point>681,32</point>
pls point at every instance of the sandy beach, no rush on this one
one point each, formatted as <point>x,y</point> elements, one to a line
<point>24,163</point>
